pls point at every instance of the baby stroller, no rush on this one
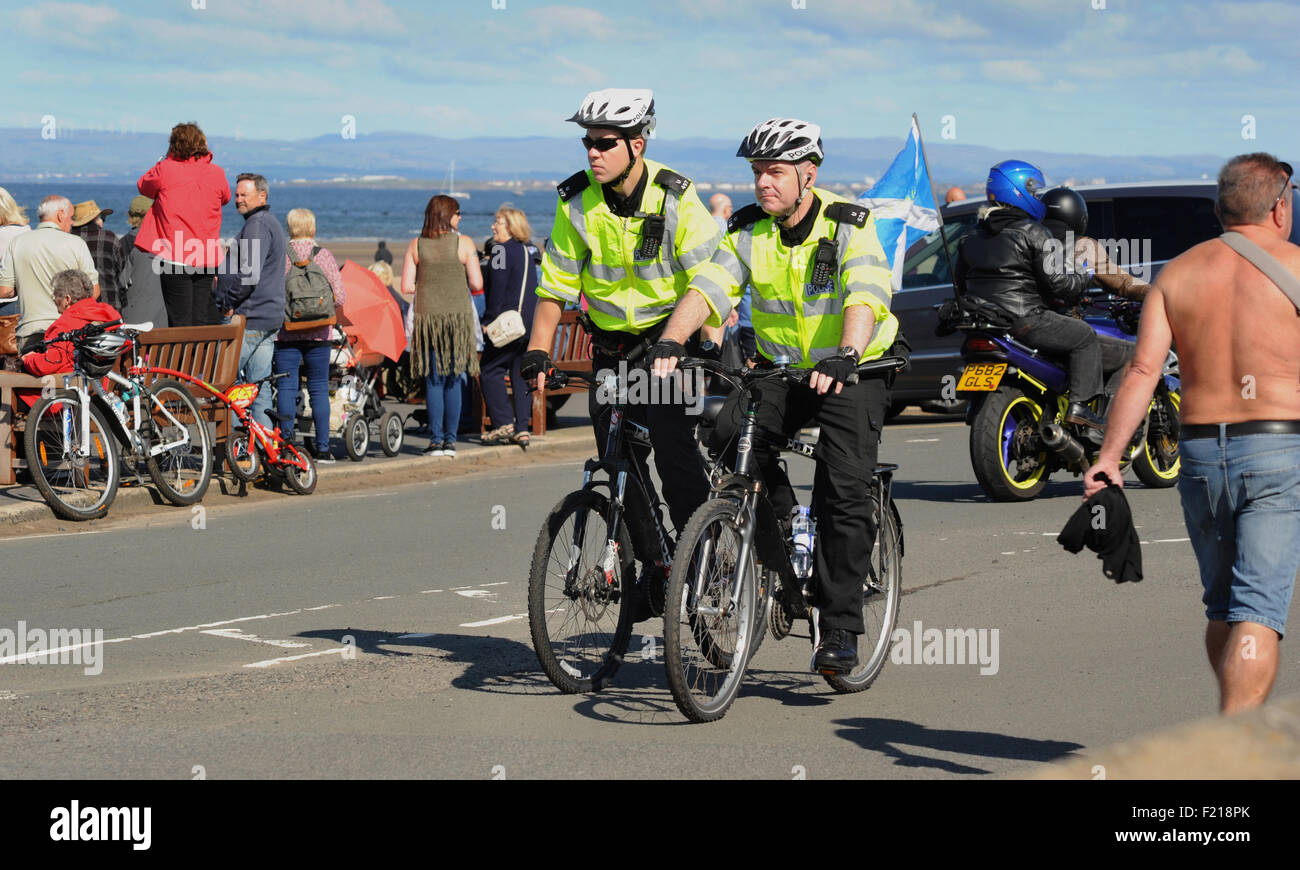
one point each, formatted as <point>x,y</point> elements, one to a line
<point>355,405</point>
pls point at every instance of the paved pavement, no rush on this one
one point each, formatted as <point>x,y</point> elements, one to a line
<point>380,631</point>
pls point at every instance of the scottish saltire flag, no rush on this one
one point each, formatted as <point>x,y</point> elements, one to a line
<point>903,203</point>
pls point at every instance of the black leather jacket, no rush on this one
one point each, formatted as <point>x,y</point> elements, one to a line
<point>1009,260</point>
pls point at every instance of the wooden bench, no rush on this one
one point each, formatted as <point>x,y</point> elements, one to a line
<point>210,353</point>
<point>568,351</point>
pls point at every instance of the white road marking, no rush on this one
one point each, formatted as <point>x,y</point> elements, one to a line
<point>325,652</point>
<point>477,593</point>
<point>481,585</point>
<point>6,695</point>
<point>920,440</point>
<point>412,636</point>
<point>1008,553</point>
<point>497,621</point>
<point>236,634</point>
<point>429,591</point>
<point>1171,540</point>
<point>382,597</point>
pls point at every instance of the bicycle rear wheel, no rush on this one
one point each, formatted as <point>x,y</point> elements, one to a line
<point>711,622</point>
<point>77,478</point>
<point>181,473</point>
<point>881,592</point>
<point>579,626</point>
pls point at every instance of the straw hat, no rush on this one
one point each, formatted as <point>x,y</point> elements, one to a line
<point>85,212</point>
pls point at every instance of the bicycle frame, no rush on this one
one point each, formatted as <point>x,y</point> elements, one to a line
<point>618,465</point>
<point>125,427</point>
<point>269,440</point>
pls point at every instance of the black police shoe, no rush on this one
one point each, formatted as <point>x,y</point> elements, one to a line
<point>1082,415</point>
<point>837,653</point>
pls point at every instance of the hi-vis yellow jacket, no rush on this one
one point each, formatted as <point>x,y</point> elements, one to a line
<point>792,316</point>
<point>594,253</point>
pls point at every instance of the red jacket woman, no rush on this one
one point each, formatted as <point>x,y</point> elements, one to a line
<point>183,226</point>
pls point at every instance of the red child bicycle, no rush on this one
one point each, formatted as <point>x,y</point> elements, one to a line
<point>250,443</point>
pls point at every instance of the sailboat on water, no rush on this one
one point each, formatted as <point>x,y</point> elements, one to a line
<point>451,184</point>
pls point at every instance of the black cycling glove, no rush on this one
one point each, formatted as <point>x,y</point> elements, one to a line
<point>664,349</point>
<point>837,368</point>
<point>534,363</point>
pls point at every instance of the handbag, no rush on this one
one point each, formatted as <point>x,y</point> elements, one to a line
<point>509,325</point>
<point>9,334</point>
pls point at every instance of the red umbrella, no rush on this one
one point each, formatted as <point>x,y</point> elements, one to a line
<point>371,314</point>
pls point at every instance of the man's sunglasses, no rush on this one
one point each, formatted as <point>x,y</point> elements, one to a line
<point>602,145</point>
<point>1286,184</point>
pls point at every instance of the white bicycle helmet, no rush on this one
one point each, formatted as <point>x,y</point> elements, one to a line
<point>99,354</point>
<point>784,139</point>
<point>630,110</point>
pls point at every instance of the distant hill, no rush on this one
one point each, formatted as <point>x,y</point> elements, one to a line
<point>113,157</point>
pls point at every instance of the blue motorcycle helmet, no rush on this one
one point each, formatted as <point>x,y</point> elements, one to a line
<point>1020,184</point>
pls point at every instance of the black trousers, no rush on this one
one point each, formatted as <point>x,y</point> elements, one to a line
<point>494,365</point>
<point>846,454</point>
<point>187,295</point>
<point>1057,333</point>
<point>676,453</point>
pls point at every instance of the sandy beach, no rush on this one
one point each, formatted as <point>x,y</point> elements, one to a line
<point>363,253</point>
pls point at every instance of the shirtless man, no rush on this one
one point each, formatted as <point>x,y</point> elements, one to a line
<point>1239,355</point>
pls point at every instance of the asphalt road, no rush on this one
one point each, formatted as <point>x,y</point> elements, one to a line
<point>382,633</point>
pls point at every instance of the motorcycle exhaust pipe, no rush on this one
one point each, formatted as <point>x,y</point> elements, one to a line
<point>1056,439</point>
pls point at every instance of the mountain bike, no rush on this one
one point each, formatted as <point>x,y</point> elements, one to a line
<point>734,578</point>
<point>582,589</point>
<point>77,436</point>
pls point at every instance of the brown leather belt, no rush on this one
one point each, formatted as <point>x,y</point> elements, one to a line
<point>1232,430</point>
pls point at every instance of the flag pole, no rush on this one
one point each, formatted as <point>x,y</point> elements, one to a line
<point>938,208</point>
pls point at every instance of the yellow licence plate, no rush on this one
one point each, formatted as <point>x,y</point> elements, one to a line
<point>981,377</point>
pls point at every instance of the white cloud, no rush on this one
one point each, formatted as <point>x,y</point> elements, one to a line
<point>574,73</point>
<point>570,24</point>
<point>1011,71</point>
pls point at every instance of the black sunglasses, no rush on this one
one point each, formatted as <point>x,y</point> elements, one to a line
<point>1286,184</point>
<point>602,145</point>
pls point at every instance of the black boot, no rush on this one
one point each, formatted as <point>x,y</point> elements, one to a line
<point>1081,415</point>
<point>837,653</point>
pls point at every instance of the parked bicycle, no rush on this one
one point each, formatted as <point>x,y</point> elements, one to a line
<point>582,584</point>
<point>78,435</point>
<point>251,444</point>
<point>735,574</point>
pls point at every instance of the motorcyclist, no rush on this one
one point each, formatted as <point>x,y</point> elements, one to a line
<point>829,324</point>
<point>1009,261</point>
<point>1066,217</point>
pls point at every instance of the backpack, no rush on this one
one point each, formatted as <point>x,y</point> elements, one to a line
<point>308,297</point>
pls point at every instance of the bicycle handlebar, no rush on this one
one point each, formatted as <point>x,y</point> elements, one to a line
<point>737,376</point>
<point>90,330</point>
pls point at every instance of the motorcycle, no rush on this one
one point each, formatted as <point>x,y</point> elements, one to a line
<point>1018,399</point>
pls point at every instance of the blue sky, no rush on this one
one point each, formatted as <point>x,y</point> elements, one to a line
<point>1134,77</point>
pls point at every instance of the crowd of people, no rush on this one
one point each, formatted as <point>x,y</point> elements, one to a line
<point>173,269</point>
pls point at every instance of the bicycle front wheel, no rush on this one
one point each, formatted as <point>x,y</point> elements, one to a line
<point>881,592</point>
<point>711,623</point>
<point>301,480</point>
<point>76,472</point>
<point>581,575</point>
<point>183,470</point>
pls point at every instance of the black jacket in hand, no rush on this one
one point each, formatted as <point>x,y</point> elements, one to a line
<point>1104,524</point>
<point>1012,261</point>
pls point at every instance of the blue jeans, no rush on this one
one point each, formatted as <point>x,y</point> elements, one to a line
<point>442,395</point>
<point>1241,502</point>
<point>255,357</point>
<point>292,357</point>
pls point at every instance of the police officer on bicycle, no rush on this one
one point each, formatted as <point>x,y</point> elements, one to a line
<point>821,295</point>
<point>629,235</point>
